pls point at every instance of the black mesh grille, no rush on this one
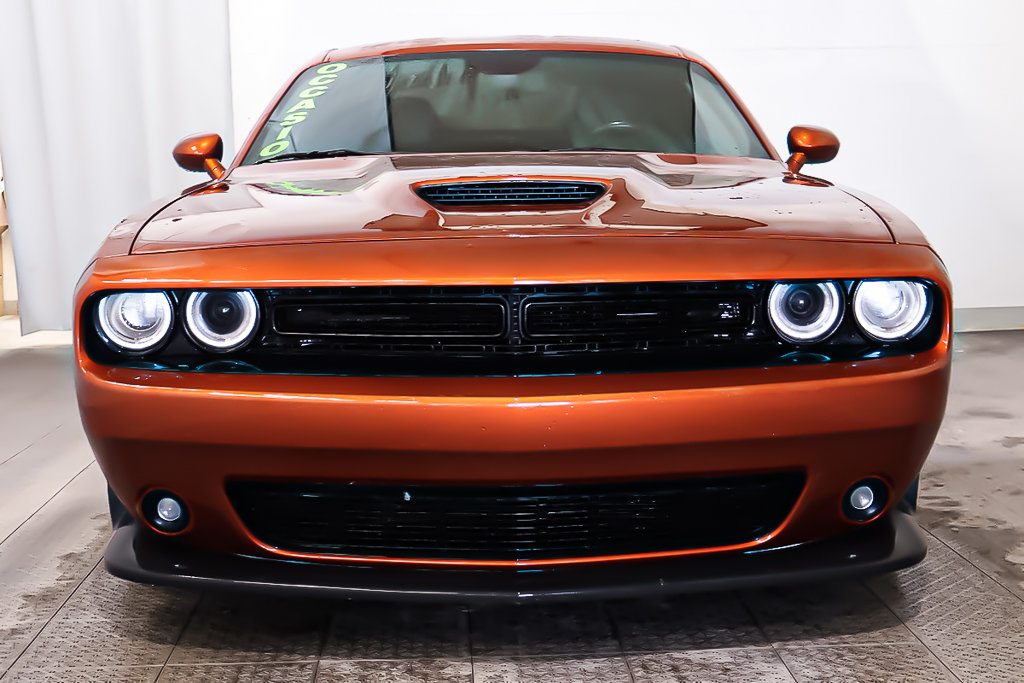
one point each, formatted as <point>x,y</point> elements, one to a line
<point>515,522</point>
<point>651,316</point>
<point>511,192</point>
<point>393,319</point>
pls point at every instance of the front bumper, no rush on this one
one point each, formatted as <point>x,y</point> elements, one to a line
<point>193,433</point>
<point>892,543</point>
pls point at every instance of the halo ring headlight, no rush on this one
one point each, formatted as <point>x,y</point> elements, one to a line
<point>135,322</point>
<point>805,312</point>
<point>891,310</point>
<point>222,319</point>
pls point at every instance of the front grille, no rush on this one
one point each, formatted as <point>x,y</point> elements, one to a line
<point>511,330</point>
<point>393,319</point>
<point>511,192</point>
<point>651,316</point>
<point>515,522</point>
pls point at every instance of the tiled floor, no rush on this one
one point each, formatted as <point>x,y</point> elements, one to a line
<point>957,616</point>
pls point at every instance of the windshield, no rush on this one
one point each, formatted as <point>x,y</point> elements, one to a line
<point>505,100</point>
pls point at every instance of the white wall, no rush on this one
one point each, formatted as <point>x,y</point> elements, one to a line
<point>93,96</point>
<point>925,95</point>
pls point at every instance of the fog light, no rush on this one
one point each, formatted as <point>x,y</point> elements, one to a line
<point>169,509</point>
<point>865,500</point>
<point>165,512</point>
<point>861,498</point>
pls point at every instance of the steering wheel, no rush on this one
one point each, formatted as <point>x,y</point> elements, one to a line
<point>615,128</point>
<point>624,135</point>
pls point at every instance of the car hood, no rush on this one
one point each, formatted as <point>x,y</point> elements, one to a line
<point>373,198</point>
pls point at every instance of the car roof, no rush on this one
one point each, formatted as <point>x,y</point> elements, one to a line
<point>507,43</point>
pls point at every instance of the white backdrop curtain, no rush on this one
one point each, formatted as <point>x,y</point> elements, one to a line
<point>93,96</point>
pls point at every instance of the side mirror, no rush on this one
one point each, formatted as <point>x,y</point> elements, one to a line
<point>201,153</point>
<point>810,145</point>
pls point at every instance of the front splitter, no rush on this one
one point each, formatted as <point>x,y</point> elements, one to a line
<point>891,543</point>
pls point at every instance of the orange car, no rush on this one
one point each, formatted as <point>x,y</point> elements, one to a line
<point>511,320</point>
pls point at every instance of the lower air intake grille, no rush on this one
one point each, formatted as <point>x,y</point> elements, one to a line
<point>515,522</point>
<point>512,193</point>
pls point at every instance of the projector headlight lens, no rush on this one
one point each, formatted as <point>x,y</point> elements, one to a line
<point>222,320</point>
<point>890,310</point>
<point>135,321</point>
<point>805,312</point>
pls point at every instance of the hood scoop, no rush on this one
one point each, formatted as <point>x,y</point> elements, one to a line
<point>500,193</point>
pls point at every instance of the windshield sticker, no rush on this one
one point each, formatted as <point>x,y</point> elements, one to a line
<point>313,88</point>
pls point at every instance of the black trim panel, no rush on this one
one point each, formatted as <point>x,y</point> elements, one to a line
<point>891,543</point>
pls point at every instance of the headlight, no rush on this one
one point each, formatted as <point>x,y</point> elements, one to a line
<point>890,310</point>
<point>805,312</point>
<point>135,321</point>
<point>222,320</point>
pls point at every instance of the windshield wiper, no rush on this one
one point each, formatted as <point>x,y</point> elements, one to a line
<point>315,154</point>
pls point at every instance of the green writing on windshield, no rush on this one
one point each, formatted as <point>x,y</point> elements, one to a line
<point>297,113</point>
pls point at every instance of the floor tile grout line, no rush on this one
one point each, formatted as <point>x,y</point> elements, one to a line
<point>42,628</point>
<point>278,662</point>
<point>913,632</point>
<point>46,502</point>
<point>973,564</point>
<point>799,645</point>
<point>557,655</point>
<point>660,651</point>
<point>271,663</point>
<point>764,634</point>
<point>469,643</point>
<point>331,660</point>
<point>93,667</point>
<point>188,620</point>
<point>618,639</point>
<point>15,455</point>
<point>325,632</point>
